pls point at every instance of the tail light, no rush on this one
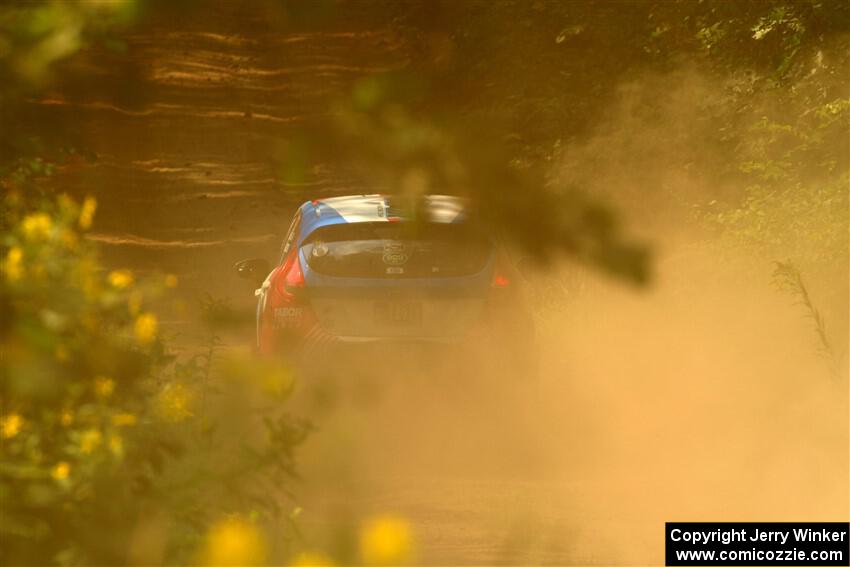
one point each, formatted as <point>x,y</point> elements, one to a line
<point>294,279</point>
<point>501,293</point>
<point>501,277</point>
<point>292,282</point>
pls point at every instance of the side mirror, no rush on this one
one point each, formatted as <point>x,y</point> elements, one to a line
<point>254,269</point>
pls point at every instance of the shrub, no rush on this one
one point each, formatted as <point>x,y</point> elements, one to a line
<point>113,450</point>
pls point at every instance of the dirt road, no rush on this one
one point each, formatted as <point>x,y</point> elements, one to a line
<point>188,181</point>
<point>188,178</point>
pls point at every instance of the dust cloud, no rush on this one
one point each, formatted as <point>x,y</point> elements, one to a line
<point>701,398</point>
<point>694,401</point>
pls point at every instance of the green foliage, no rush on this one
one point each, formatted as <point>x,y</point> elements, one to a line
<point>102,429</point>
<point>792,165</point>
<point>36,35</point>
<point>377,132</point>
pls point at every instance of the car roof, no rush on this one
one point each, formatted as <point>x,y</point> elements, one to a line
<point>378,208</point>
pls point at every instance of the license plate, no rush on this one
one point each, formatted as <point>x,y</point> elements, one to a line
<point>398,312</point>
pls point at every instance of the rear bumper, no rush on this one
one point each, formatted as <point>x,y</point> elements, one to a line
<point>305,331</point>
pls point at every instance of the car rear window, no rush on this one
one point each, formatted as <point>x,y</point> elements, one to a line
<point>397,250</point>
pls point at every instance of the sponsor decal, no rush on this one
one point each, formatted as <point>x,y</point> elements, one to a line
<point>395,253</point>
<point>287,317</point>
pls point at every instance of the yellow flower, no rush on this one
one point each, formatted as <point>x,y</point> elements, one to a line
<point>120,279</point>
<point>145,328</point>
<point>103,386</point>
<point>11,425</point>
<point>171,280</point>
<point>37,226</point>
<point>116,445</point>
<point>12,264</point>
<point>122,419</point>
<point>90,440</point>
<point>233,542</point>
<point>61,471</point>
<point>174,402</point>
<point>311,559</point>
<point>87,212</point>
<point>66,418</point>
<point>386,540</point>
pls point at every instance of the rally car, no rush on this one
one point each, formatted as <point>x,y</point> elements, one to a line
<point>368,268</point>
